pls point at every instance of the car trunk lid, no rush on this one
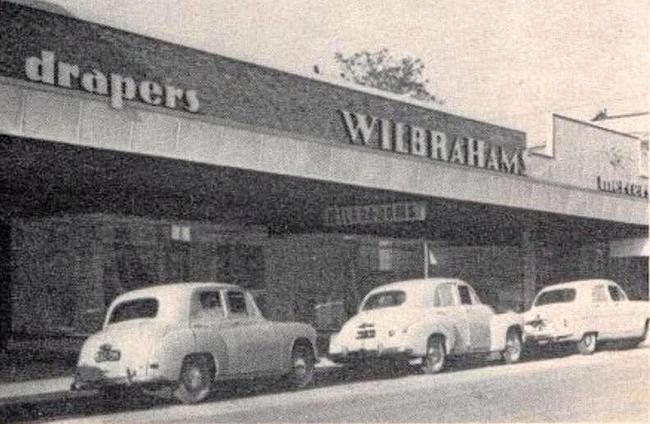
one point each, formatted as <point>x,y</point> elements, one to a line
<point>121,350</point>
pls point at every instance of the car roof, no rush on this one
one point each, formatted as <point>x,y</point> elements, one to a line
<point>578,284</point>
<point>416,284</point>
<point>173,289</point>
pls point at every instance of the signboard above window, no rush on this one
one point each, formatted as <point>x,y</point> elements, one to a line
<point>374,214</point>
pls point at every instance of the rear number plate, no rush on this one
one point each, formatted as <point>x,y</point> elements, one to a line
<point>365,334</point>
<point>107,355</point>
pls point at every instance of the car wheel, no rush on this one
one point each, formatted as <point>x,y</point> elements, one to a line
<point>195,382</point>
<point>512,352</point>
<point>434,360</point>
<point>302,367</point>
<point>587,345</point>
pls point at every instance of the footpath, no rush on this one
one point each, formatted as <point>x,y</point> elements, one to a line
<point>50,389</point>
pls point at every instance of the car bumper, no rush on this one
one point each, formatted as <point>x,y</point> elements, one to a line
<point>364,355</point>
<point>91,381</point>
<point>549,338</point>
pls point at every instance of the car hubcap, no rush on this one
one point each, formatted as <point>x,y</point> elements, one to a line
<point>434,355</point>
<point>513,347</point>
<point>300,367</point>
<point>194,379</point>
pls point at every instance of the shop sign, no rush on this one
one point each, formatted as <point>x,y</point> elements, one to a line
<point>47,70</point>
<point>374,214</point>
<point>398,137</point>
<point>622,187</point>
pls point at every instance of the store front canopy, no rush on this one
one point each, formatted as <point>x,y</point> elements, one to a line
<point>297,165</point>
<point>40,178</point>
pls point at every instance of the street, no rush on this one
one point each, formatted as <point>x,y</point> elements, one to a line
<point>611,385</point>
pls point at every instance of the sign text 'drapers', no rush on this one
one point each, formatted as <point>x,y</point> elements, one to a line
<point>47,70</point>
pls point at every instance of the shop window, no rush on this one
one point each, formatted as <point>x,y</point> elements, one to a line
<point>134,260</point>
<point>242,265</point>
<point>385,259</point>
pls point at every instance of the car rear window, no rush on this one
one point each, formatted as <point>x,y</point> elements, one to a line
<point>134,309</point>
<point>556,296</point>
<point>384,300</point>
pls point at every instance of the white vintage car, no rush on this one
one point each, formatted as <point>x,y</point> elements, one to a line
<point>425,321</point>
<point>190,336</point>
<point>585,312</point>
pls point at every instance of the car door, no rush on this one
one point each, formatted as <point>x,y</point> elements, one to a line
<point>207,321</point>
<point>621,314</point>
<point>446,309</point>
<point>251,345</point>
<point>478,319</point>
<point>599,315</point>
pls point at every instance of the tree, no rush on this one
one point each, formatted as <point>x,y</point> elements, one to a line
<point>382,71</point>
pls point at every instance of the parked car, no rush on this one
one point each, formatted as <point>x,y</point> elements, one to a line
<point>190,336</point>
<point>585,312</point>
<point>426,321</point>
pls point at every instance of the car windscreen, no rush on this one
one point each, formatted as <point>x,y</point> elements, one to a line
<point>134,309</point>
<point>384,300</point>
<point>556,296</point>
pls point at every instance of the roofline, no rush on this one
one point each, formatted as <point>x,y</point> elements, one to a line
<point>320,79</point>
<point>581,282</point>
<point>622,115</point>
<point>589,124</point>
<point>178,285</point>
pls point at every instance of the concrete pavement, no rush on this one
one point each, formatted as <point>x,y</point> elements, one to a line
<point>611,385</point>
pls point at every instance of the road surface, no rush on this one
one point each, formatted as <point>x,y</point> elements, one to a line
<point>610,385</point>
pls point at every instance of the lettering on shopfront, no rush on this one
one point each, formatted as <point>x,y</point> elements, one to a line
<point>622,187</point>
<point>385,134</point>
<point>374,214</point>
<point>47,70</point>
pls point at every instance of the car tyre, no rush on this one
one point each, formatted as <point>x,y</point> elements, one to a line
<point>302,368</point>
<point>587,344</point>
<point>434,360</point>
<point>512,353</point>
<point>195,381</point>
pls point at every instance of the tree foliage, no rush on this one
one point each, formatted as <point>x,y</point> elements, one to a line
<point>382,71</point>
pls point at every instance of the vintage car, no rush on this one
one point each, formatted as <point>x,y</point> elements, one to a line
<point>585,312</point>
<point>190,336</point>
<point>425,321</point>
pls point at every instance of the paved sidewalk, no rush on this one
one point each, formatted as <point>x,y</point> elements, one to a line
<point>51,388</point>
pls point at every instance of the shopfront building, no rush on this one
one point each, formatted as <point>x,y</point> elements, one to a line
<point>127,161</point>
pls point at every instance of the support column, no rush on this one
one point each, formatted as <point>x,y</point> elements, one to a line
<point>5,282</point>
<point>529,268</point>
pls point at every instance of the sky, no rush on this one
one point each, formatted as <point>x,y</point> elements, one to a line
<point>507,62</point>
